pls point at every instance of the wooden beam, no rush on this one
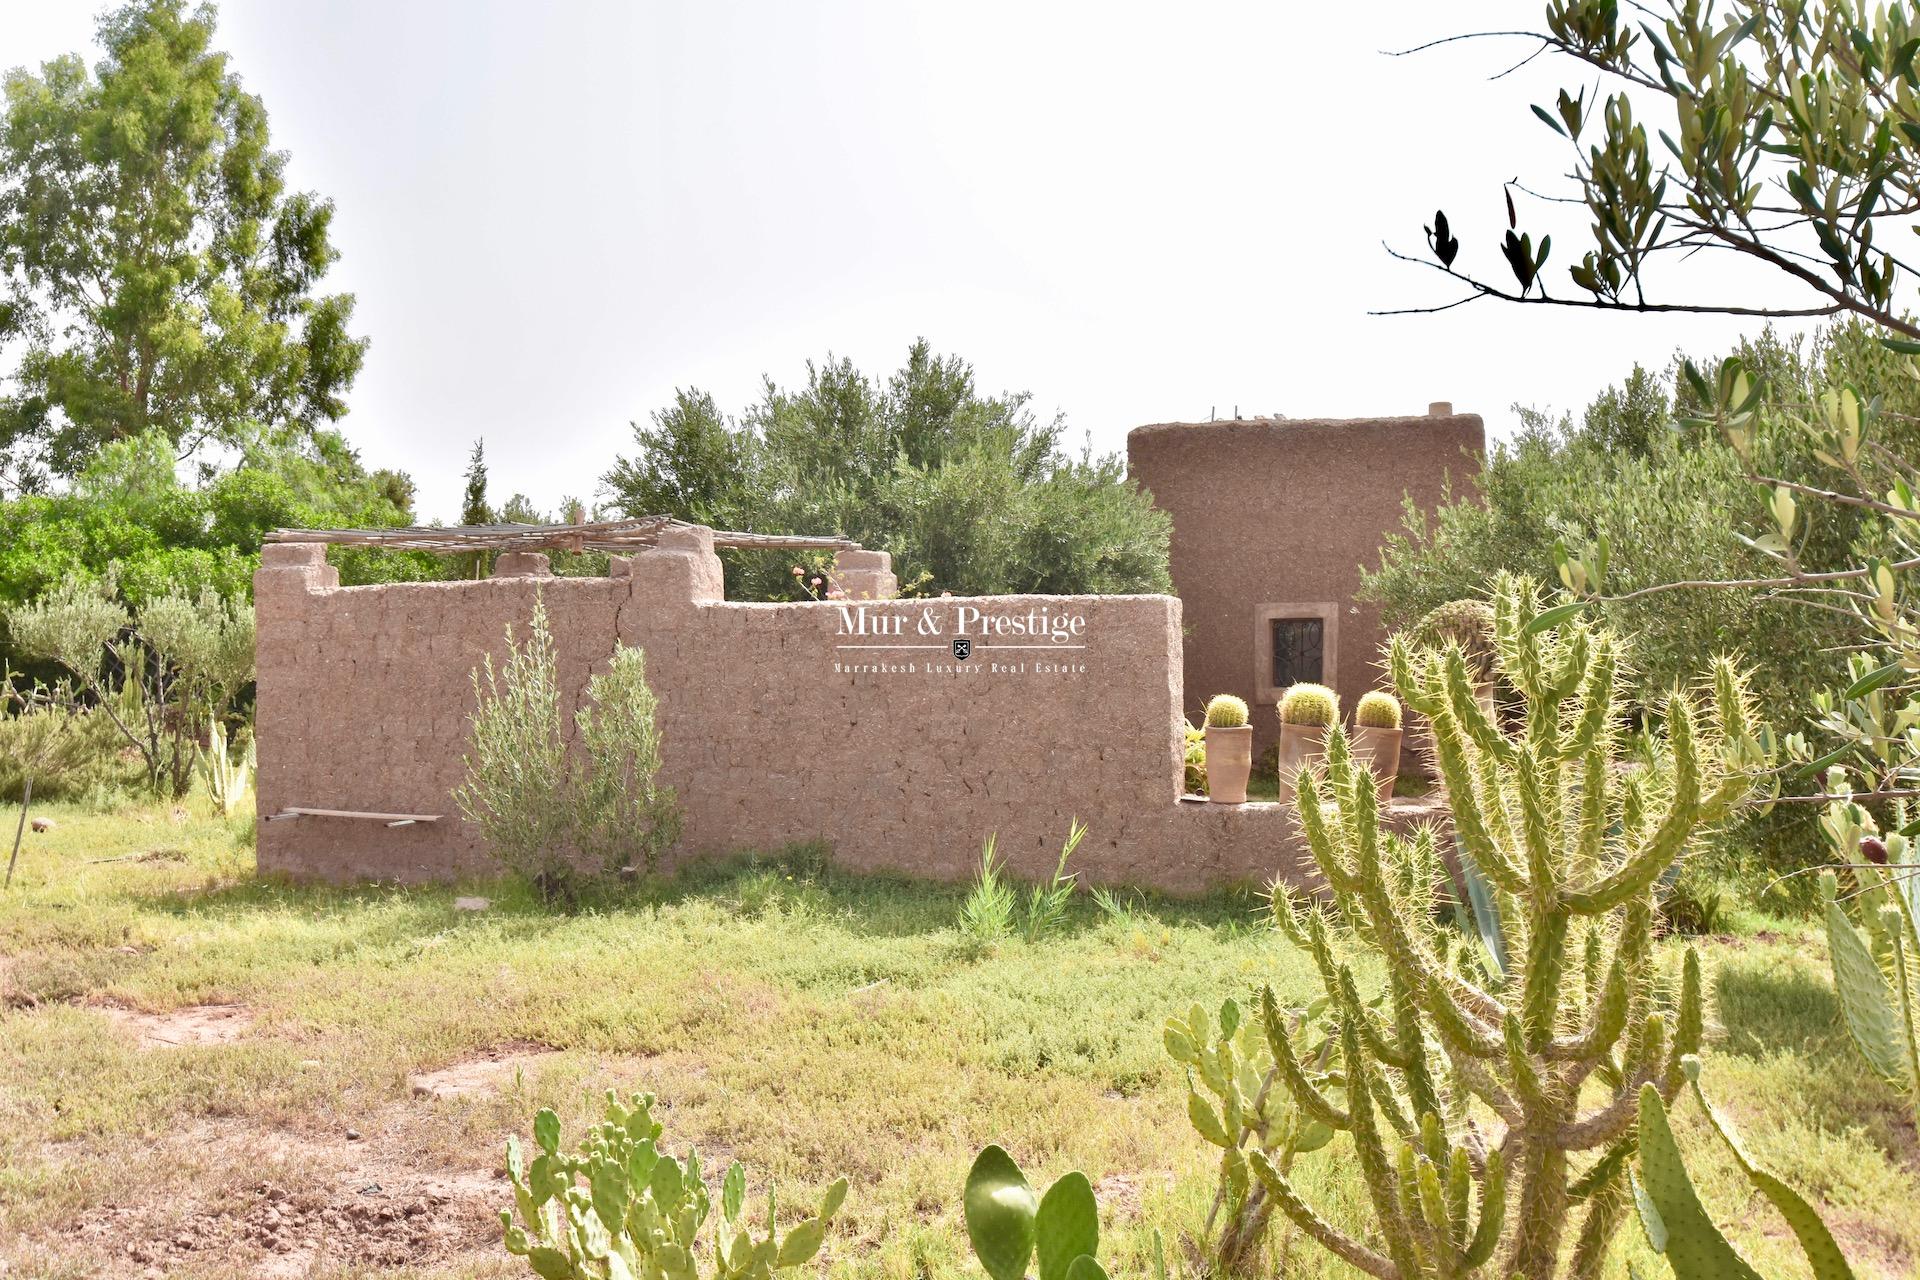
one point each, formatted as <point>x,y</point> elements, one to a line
<point>391,819</point>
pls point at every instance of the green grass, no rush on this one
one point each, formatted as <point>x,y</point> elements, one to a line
<point>809,1025</point>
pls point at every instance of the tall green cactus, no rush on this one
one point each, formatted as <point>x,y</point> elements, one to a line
<point>1557,1047</point>
<point>623,1209</point>
<point>1677,1224</point>
<point>1876,964</point>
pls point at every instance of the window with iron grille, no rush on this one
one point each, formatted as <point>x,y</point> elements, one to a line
<point>1298,648</point>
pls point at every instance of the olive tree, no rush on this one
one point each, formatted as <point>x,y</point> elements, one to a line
<point>163,672</point>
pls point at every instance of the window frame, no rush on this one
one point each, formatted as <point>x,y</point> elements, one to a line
<point>1326,612</point>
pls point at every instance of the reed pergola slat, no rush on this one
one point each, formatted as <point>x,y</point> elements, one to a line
<point>623,536</point>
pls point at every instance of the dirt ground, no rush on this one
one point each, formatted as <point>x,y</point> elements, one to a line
<point>312,1202</point>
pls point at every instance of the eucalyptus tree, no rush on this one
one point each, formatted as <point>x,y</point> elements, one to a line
<point>156,270</point>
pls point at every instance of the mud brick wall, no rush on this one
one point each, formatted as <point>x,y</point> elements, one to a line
<point>1285,511</point>
<point>775,728</point>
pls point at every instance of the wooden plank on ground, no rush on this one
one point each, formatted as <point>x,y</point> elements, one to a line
<point>391,819</point>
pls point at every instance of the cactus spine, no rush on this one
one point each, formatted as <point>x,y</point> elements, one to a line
<point>1226,712</point>
<point>1572,850</point>
<point>1377,710</point>
<point>1310,704</point>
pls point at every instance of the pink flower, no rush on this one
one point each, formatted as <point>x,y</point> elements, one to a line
<point>798,571</point>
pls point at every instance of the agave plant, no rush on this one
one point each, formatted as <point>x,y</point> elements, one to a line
<point>227,779</point>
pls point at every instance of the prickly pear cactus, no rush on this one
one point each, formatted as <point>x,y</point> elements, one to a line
<point>1677,1224</point>
<point>1309,704</point>
<point>1236,1102</point>
<point>1557,1043</point>
<point>1874,960</point>
<point>1009,1226</point>
<point>623,1209</point>
<point>1377,710</point>
<point>1225,711</point>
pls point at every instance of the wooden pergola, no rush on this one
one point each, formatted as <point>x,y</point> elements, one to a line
<point>623,537</point>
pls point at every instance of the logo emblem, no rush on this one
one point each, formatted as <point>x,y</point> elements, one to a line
<point>962,648</point>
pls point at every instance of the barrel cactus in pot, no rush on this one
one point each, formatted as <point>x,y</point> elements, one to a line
<point>1229,749</point>
<point>1376,738</point>
<point>1307,711</point>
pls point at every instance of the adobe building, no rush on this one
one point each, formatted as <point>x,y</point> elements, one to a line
<point>1272,520</point>
<point>930,724</point>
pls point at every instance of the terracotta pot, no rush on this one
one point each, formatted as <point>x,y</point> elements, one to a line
<point>1229,761</point>
<point>1300,746</point>
<point>1379,749</point>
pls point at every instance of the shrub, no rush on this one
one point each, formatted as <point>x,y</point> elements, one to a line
<point>1377,710</point>
<point>517,773</point>
<point>625,818</point>
<point>1193,754</point>
<point>1224,711</point>
<point>543,808</point>
<point>69,752</point>
<point>1309,704</point>
<point>623,1207</point>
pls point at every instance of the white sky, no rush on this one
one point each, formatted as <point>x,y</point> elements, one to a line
<point>552,215</point>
